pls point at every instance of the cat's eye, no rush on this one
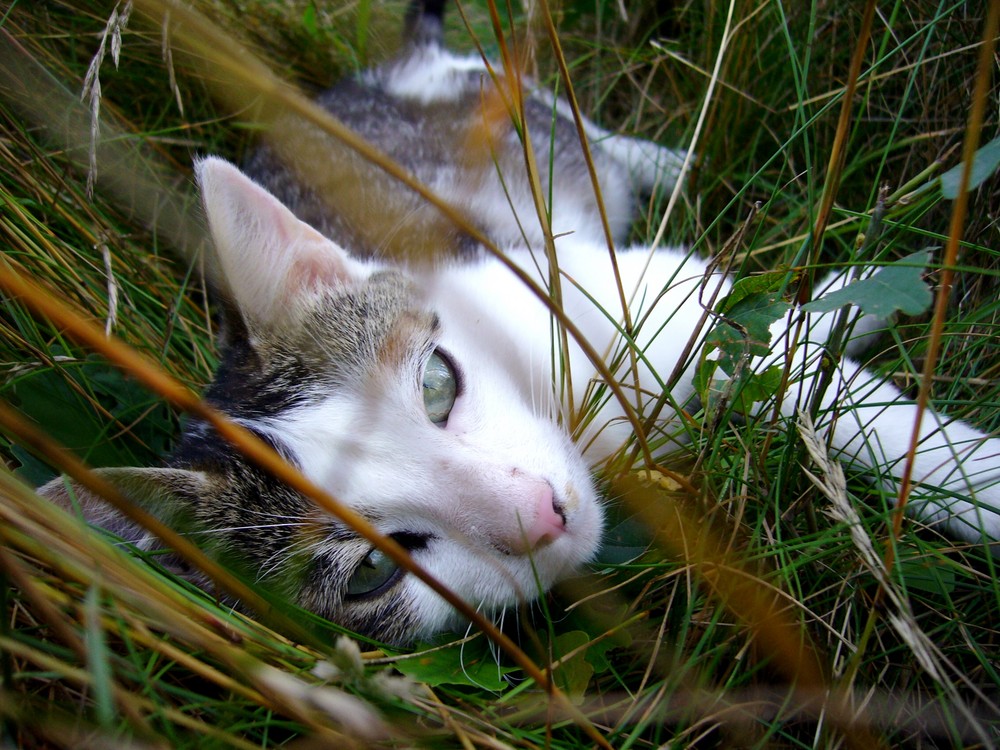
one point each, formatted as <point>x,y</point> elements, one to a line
<point>375,573</point>
<point>440,388</point>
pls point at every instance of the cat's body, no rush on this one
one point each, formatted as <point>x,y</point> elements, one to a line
<point>423,395</point>
<point>447,119</point>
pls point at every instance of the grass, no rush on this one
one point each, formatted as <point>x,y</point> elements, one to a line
<point>678,647</point>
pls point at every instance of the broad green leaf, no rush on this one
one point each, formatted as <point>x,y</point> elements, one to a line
<point>65,415</point>
<point>31,471</point>
<point>67,404</point>
<point>704,378</point>
<point>756,387</point>
<point>985,163</point>
<point>623,542</point>
<point>751,388</point>
<point>898,286</point>
<point>756,313</point>
<point>466,664</point>
<point>597,651</point>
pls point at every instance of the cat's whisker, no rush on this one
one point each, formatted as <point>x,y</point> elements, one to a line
<point>499,619</point>
<point>497,616</point>
<point>269,569</point>
<point>271,566</point>
<point>461,649</point>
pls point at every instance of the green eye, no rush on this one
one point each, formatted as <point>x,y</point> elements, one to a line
<point>440,388</point>
<point>375,572</point>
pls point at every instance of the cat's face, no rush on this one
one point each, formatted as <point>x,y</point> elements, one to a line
<point>407,397</point>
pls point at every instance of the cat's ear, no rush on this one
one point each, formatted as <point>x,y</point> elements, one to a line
<point>269,259</point>
<point>161,491</point>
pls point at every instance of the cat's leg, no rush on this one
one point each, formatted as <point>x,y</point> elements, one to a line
<point>956,469</point>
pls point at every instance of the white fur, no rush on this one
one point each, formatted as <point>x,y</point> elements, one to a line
<point>472,486</point>
<point>430,74</point>
<point>507,335</point>
<point>649,164</point>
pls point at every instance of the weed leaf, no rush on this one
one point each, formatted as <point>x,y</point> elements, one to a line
<point>928,575</point>
<point>74,406</point>
<point>573,674</point>
<point>772,281</point>
<point>470,664</point>
<point>898,286</point>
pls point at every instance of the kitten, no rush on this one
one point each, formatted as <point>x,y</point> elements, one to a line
<point>422,394</point>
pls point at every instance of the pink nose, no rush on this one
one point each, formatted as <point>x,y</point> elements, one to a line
<point>546,526</point>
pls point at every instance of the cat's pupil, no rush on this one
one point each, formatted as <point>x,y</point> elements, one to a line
<point>374,573</point>
<point>440,388</point>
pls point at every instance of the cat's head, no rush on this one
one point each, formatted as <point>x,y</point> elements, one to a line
<point>403,394</point>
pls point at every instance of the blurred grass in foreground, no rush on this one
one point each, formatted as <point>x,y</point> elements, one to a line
<point>694,642</point>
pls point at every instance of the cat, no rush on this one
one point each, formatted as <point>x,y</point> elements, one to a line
<point>424,395</point>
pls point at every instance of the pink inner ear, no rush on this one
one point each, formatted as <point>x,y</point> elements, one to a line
<point>267,255</point>
<point>318,263</point>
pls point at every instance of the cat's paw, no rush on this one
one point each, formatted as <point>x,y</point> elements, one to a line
<point>956,481</point>
<point>973,518</point>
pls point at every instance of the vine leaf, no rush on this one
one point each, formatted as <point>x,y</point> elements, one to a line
<point>746,328</point>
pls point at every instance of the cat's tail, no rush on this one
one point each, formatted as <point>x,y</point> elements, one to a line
<point>424,23</point>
